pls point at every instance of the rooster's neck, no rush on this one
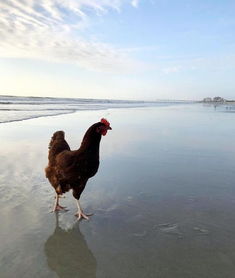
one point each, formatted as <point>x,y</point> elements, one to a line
<point>91,144</point>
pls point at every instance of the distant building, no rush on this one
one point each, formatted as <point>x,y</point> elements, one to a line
<point>207,99</point>
<point>218,99</point>
<point>215,99</point>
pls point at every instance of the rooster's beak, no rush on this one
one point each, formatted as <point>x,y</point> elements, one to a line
<point>110,127</point>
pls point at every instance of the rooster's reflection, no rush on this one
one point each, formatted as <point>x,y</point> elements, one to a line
<point>68,254</point>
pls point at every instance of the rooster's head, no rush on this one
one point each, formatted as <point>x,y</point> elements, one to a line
<point>103,127</point>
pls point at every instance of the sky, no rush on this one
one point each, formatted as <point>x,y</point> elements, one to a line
<point>118,49</point>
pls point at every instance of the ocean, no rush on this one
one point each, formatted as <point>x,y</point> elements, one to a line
<point>14,108</point>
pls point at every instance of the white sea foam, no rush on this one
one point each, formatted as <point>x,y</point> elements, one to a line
<point>13,108</point>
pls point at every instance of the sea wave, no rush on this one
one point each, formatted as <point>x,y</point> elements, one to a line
<point>16,108</point>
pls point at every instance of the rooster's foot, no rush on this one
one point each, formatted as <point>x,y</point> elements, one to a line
<point>58,208</point>
<point>81,215</point>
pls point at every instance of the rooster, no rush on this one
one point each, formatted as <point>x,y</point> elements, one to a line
<point>71,169</point>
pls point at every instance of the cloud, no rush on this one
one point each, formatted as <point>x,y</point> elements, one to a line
<point>204,63</point>
<point>47,29</point>
<point>135,3</point>
<point>173,69</point>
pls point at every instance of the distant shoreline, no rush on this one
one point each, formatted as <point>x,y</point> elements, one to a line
<point>228,102</point>
<point>105,100</point>
<point>18,108</point>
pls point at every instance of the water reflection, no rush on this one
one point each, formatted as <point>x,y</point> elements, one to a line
<point>68,254</point>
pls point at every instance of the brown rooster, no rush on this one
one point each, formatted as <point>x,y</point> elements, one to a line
<point>71,169</point>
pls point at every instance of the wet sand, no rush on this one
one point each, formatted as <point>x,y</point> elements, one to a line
<point>163,199</point>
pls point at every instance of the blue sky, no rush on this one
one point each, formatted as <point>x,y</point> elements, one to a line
<point>152,49</point>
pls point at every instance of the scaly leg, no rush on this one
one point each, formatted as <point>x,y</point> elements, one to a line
<point>60,196</point>
<point>57,206</point>
<point>80,213</point>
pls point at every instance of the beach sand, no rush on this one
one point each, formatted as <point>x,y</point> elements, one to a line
<point>163,198</point>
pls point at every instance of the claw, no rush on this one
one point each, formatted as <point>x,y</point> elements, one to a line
<point>59,208</point>
<point>80,213</point>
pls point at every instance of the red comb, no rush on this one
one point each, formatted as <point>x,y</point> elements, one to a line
<point>104,121</point>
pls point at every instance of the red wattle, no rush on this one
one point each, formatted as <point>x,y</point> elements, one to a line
<point>104,132</point>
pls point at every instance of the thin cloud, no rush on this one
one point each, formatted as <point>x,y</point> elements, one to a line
<point>173,69</point>
<point>47,29</point>
<point>135,3</point>
<point>212,63</point>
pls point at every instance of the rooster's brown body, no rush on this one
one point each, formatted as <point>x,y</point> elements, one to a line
<point>71,169</point>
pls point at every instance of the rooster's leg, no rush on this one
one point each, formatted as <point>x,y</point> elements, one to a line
<point>57,206</point>
<point>60,196</point>
<point>80,213</point>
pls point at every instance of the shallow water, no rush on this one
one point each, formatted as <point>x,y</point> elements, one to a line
<point>163,199</point>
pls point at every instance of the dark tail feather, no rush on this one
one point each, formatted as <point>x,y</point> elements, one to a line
<point>58,135</point>
<point>57,145</point>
